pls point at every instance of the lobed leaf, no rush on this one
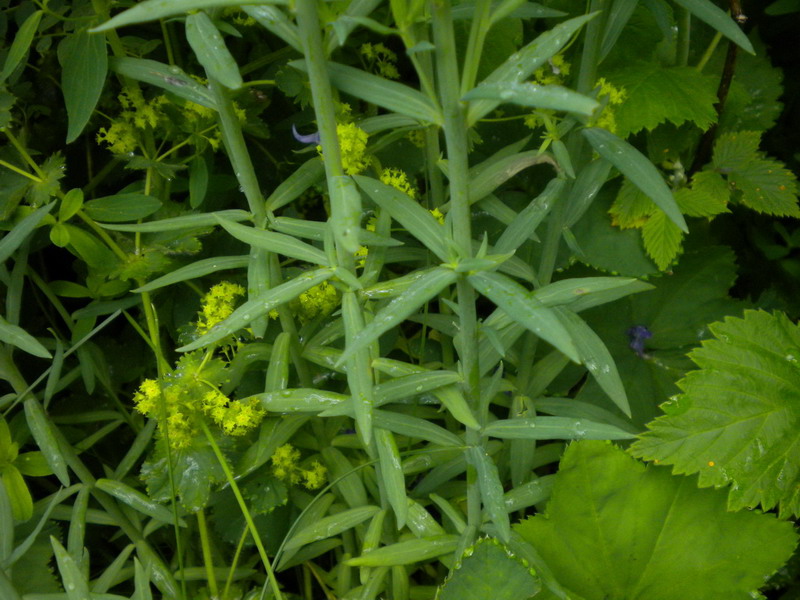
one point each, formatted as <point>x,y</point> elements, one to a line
<point>736,421</point>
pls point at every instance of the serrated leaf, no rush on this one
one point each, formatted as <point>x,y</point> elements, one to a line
<point>662,239</point>
<point>657,94</point>
<point>708,195</point>
<point>631,208</point>
<point>736,421</point>
<point>489,570</point>
<point>625,534</point>
<point>766,185</point>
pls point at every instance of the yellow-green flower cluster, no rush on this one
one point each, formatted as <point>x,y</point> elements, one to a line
<point>180,401</point>
<point>217,305</point>
<point>122,136</point>
<point>417,137</point>
<point>285,467</point>
<point>437,214</point>
<point>398,180</point>
<point>610,96</point>
<point>233,417</point>
<point>353,145</point>
<point>174,409</point>
<point>318,300</point>
<point>554,73</point>
<point>380,60</point>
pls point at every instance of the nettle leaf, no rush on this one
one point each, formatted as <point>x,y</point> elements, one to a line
<point>737,420</point>
<point>489,570</point>
<point>766,185</point>
<point>631,208</point>
<point>658,94</point>
<point>639,533</point>
<point>706,197</point>
<point>662,239</point>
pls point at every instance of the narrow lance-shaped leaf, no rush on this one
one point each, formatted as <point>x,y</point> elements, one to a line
<point>122,207</point>
<point>400,308</point>
<point>526,310</point>
<point>275,242</point>
<point>40,427</point>
<point>275,20</point>
<point>596,358</point>
<point>707,11</point>
<point>359,372</point>
<point>150,10</point>
<point>554,428</point>
<point>259,306</point>
<point>491,491</point>
<point>391,95</point>
<point>209,47</point>
<point>170,78</point>
<point>84,65</point>
<point>21,44</point>
<point>524,226</point>
<point>417,221</point>
<point>394,482</point>
<point>136,500</point>
<point>196,269</point>
<point>636,167</point>
<point>14,238</point>
<point>331,525</point>
<point>520,65</point>
<point>17,336</point>
<point>553,97</point>
<point>408,552</point>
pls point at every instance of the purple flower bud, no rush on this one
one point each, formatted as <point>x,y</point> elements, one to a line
<point>311,138</point>
<point>638,334</point>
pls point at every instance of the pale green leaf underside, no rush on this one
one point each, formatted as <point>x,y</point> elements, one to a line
<point>737,420</point>
<point>640,533</point>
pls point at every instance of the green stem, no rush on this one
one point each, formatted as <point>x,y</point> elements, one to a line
<point>276,590</point>
<point>455,133</point>
<point>208,561</point>
<point>684,37</point>
<point>701,64</point>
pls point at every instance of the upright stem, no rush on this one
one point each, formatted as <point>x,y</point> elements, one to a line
<point>455,133</point>
<point>359,370</point>
<point>684,37</point>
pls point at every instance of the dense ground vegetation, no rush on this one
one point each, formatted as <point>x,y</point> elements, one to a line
<point>399,299</point>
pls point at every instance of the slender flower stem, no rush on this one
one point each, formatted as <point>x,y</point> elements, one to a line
<point>207,559</point>
<point>276,590</point>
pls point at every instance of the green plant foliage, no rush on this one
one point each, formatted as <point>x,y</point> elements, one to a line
<point>656,94</point>
<point>676,313</point>
<point>625,534</point>
<point>765,185</point>
<point>750,365</point>
<point>489,570</point>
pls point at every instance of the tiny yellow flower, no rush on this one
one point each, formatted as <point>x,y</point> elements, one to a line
<point>353,145</point>
<point>417,137</point>
<point>217,305</point>
<point>314,477</point>
<point>437,214</point>
<point>610,96</point>
<point>318,300</point>
<point>398,180</point>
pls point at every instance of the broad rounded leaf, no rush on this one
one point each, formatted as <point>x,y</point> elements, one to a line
<point>640,533</point>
